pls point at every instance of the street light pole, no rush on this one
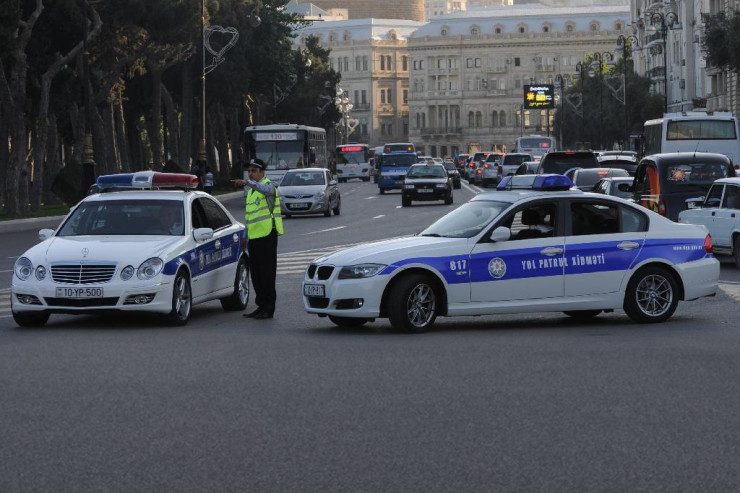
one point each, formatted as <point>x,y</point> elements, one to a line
<point>666,21</point>
<point>598,62</point>
<point>560,80</point>
<point>88,155</point>
<point>622,46</point>
<point>202,151</point>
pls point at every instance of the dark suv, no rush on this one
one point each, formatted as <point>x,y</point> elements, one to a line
<point>559,162</point>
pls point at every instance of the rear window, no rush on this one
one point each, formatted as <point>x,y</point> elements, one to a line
<point>588,178</point>
<point>399,159</point>
<point>693,174</point>
<point>559,163</point>
<point>701,130</point>
<point>629,166</point>
<point>511,160</point>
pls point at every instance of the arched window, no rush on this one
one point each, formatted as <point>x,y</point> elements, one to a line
<point>570,27</point>
<point>478,119</point>
<point>382,62</point>
<point>444,31</point>
<point>494,118</point>
<point>499,29</point>
<point>388,62</point>
<point>475,31</point>
<point>471,119</point>
<point>346,36</point>
<point>502,119</point>
<point>546,27</point>
<point>522,28</point>
<point>618,26</point>
<point>594,26</point>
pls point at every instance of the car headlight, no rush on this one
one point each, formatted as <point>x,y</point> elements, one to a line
<point>127,272</point>
<point>441,185</point>
<point>40,272</point>
<point>360,271</point>
<point>321,195</point>
<point>150,268</point>
<point>23,268</point>
<point>410,186</point>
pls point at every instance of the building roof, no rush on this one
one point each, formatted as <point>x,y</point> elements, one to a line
<point>510,17</point>
<point>360,29</point>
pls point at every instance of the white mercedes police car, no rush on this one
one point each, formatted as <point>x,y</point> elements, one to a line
<point>146,242</point>
<point>543,249</point>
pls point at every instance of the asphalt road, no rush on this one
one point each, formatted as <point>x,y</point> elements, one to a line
<point>505,403</point>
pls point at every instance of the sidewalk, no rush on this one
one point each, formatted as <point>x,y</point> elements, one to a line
<point>36,223</point>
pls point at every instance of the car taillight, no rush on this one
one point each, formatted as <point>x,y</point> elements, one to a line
<point>500,170</point>
<point>661,208</point>
<point>708,244</point>
<point>486,165</point>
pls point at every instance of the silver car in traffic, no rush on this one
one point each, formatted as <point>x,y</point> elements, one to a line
<point>309,191</point>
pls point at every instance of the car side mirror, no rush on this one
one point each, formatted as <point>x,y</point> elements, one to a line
<point>502,233</point>
<point>332,182</point>
<point>45,234</point>
<point>713,202</point>
<point>202,234</point>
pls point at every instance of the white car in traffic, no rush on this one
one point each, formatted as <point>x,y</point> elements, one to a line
<point>147,242</point>
<point>545,249</point>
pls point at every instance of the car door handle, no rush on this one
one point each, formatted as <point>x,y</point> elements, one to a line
<point>218,244</point>
<point>732,215</point>
<point>628,245</point>
<point>550,251</point>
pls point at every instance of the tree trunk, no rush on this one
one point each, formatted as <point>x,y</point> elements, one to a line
<point>224,164</point>
<point>173,127</point>
<point>138,158</point>
<point>235,140</point>
<point>124,149</point>
<point>100,142</point>
<point>53,162</point>
<point>155,117</point>
<point>4,152</point>
<point>77,123</point>
<point>185,149</point>
<point>111,153</point>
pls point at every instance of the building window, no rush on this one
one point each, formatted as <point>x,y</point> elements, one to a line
<point>416,65</point>
<point>618,26</point>
<point>502,119</point>
<point>405,129</point>
<point>418,120</point>
<point>358,64</point>
<point>405,96</point>
<point>494,118</point>
<point>517,61</point>
<point>382,62</point>
<point>474,31</point>
<point>346,64</point>
<point>570,27</point>
<point>445,30</point>
<point>357,97</point>
<point>364,63</point>
<point>390,99</point>
<point>478,119</point>
<point>469,63</point>
<point>404,63</point>
<point>477,63</point>
<point>545,29</point>
<point>382,129</point>
<point>471,119</point>
<point>522,28</point>
<point>382,95</point>
<point>498,30</point>
<point>364,96</point>
<point>364,128</point>
<point>421,64</point>
<point>594,26</point>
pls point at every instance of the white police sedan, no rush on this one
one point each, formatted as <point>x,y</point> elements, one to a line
<point>146,242</point>
<point>544,249</point>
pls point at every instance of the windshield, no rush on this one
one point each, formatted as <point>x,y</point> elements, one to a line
<point>467,220</point>
<point>355,156</point>
<point>435,171</point>
<point>126,217</point>
<point>399,159</point>
<point>450,166</point>
<point>281,155</point>
<point>694,174</point>
<point>295,179</point>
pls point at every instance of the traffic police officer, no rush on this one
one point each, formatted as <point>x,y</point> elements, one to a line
<point>264,225</point>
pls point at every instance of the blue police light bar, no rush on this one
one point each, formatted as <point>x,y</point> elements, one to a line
<point>545,183</point>
<point>146,180</point>
<point>122,180</point>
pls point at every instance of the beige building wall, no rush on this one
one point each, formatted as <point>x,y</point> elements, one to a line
<point>379,9</point>
<point>467,72</point>
<point>372,57</point>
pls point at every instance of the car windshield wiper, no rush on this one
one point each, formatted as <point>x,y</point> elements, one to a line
<point>435,235</point>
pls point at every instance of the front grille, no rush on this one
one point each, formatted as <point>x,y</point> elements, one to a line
<point>82,273</point>
<point>325,272</point>
<point>311,270</point>
<point>318,302</point>
<point>81,303</point>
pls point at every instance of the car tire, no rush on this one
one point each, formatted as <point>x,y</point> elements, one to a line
<point>182,300</point>
<point>405,202</point>
<point>31,319</point>
<point>651,296</point>
<point>327,212</point>
<point>412,304</point>
<point>458,186</point>
<point>583,314</point>
<point>348,321</point>
<point>381,191</point>
<point>736,250</point>
<point>366,179</point>
<point>337,209</point>
<point>448,199</point>
<point>238,300</point>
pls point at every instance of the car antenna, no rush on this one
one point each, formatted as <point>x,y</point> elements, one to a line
<point>695,149</point>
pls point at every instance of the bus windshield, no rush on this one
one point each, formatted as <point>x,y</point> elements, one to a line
<point>399,159</point>
<point>280,155</point>
<point>352,155</point>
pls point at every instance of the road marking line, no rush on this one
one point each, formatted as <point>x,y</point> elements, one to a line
<point>371,197</point>
<point>5,271</point>
<point>378,217</point>
<point>398,206</point>
<point>324,230</point>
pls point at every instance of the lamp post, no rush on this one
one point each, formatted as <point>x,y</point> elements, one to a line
<point>344,105</point>
<point>660,23</point>
<point>581,70</point>
<point>622,46</point>
<point>561,82</point>
<point>88,155</point>
<point>598,62</point>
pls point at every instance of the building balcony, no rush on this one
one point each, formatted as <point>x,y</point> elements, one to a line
<point>361,107</point>
<point>653,40</point>
<point>450,93</point>
<point>656,73</point>
<point>427,132</point>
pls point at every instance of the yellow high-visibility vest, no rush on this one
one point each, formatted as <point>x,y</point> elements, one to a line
<point>258,215</point>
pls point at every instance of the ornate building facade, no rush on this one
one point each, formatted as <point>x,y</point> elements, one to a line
<point>378,9</point>
<point>467,71</point>
<point>372,56</point>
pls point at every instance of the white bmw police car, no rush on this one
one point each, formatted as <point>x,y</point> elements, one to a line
<point>145,242</point>
<point>546,248</point>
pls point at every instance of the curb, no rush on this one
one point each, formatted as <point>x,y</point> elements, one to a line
<point>36,223</point>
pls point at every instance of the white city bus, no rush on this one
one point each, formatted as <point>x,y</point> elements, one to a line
<point>695,131</point>
<point>353,161</point>
<point>286,146</point>
<point>536,145</point>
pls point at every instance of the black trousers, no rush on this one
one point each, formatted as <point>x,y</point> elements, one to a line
<point>263,268</point>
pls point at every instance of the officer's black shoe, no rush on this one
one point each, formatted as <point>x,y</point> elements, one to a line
<point>262,315</point>
<point>253,314</point>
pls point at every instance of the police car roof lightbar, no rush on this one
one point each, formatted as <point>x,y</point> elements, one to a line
<point>146,180</point>
<point>544,183</point>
